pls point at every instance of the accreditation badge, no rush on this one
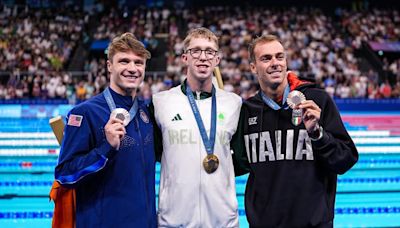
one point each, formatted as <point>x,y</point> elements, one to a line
<point>210,163</point>
<point>121,114</point>
<point>295,98</point>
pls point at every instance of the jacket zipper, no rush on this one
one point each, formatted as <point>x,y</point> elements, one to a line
<point>144,171</point>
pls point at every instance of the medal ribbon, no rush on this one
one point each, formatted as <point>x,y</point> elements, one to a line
<point>271,103</point>
<point>111,103</point>
<point>208,142</point>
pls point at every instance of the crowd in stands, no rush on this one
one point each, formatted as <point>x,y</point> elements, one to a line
<point>374,25</point>
<point>141,21</point>
<point>320,46</point>
<point>38,40</point>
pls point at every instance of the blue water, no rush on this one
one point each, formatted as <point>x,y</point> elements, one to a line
<point>367,196</point>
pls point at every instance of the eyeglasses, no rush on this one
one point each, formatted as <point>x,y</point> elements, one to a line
<point>196,53</point>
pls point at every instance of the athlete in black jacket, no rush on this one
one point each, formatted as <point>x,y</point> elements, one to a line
<point>293,161</point>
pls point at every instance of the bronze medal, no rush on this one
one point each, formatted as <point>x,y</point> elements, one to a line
<point>210,163</point>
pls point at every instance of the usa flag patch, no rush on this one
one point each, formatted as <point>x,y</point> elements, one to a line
<point>75,120</point>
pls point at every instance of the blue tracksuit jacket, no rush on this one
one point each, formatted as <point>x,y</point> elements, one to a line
<point>113,188</point>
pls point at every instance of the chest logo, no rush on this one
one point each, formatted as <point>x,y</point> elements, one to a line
<point>144,116</point>
<point>253,120</point>
<point>221,119</point>
<point>177,117</point>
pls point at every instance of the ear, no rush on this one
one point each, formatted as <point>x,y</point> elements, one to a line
<point>109,65</point>
<point>253,68</point>
<point>217,60</point>
<point>184,59</point>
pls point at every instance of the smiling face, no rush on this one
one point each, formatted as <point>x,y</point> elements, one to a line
<point>200,67</point>
<point>127,71</point>
<point>270,65</point>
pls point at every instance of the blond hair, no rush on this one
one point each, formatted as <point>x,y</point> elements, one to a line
<point>260,40</point>
<point>125,43</point>
<point>199,33</point>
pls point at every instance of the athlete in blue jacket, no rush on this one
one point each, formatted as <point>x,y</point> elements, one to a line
<point>110,162</point>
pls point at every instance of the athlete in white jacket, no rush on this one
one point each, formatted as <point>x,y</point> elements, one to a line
<point>197,187</point>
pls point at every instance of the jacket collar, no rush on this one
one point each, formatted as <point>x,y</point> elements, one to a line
<point>203,95</point>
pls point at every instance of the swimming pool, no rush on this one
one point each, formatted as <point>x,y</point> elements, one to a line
<point>367,196</point>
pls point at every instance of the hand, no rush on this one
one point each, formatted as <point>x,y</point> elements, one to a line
<point>311,115</point>
<point>114,131</point>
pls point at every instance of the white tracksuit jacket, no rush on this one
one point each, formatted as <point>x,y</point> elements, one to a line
<point>188,196</point>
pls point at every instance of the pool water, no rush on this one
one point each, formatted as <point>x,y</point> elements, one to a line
<point>367,196</point>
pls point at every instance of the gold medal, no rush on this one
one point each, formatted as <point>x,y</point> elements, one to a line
<point>210,163</point>
<point>121,114</point>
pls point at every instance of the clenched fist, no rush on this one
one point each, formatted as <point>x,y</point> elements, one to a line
<point>311,115</point>
<point>114,131</point>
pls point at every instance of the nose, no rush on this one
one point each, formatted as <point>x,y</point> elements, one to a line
<point>132,68</point>
<point>203,55</point>
<point>274,61</point>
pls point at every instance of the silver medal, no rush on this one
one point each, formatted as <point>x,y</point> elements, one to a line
<point>121,114</point>
<point>295,98</point>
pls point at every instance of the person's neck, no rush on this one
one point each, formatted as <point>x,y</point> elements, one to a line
<point>200,86</point>
<point>122,92</point>
<point>275,93</point>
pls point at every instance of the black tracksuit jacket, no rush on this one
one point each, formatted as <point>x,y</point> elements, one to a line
<point>292,180</point>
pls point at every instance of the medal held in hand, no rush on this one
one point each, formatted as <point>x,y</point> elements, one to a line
<point>210,163</point>
<point>121,114</point>
<point>295,98</point>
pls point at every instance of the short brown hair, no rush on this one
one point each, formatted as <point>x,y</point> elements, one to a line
<point>199,33</point>
<point>125,43</point>
<point>260,40</point>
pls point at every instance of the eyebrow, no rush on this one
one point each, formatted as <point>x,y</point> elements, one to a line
<point>270,55</point>
<point>124,59</point>
<point>206,48</point>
